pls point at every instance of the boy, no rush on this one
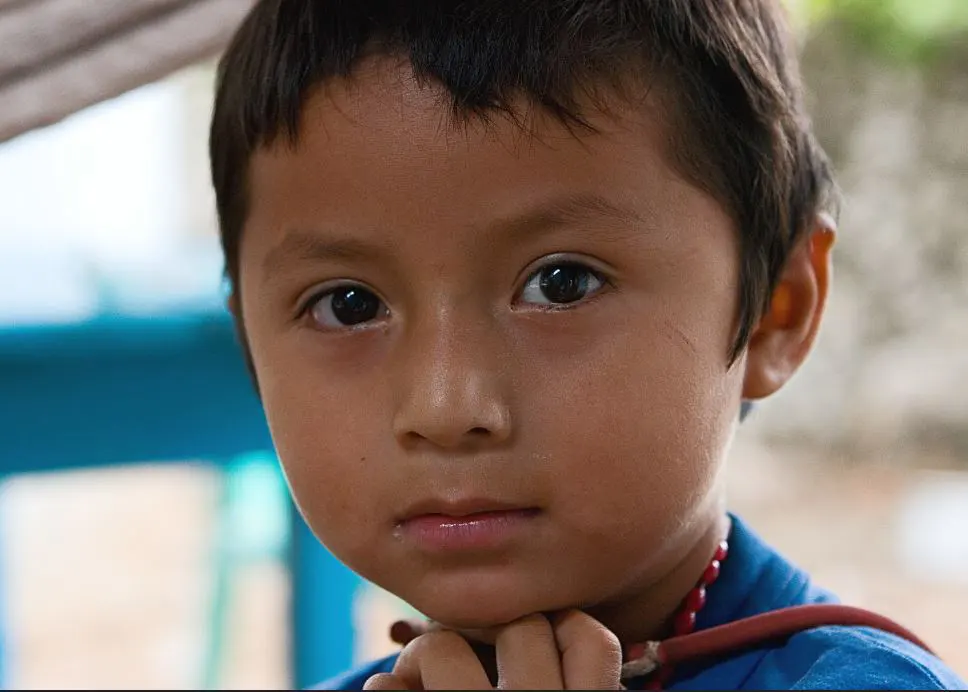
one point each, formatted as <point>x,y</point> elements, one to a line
<point>504,273</point>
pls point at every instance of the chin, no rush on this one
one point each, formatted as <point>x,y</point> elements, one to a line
<point>478,597</point>
<point>469,608</point>
<point>477,616</point>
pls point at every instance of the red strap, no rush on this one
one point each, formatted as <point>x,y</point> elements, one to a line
<point>776,624</point>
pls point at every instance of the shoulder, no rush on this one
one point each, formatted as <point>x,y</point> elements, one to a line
<point>356,678</point>
<point>845,658</point>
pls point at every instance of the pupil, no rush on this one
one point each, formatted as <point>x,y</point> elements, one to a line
<point>564,283</point>
<point>354,305</point>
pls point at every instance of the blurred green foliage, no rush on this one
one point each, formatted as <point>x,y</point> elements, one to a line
<point>907,30</point>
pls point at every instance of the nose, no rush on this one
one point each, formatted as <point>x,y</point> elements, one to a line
<point>452,393</point>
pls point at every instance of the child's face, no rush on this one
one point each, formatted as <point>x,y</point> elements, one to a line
<point>542,323</point>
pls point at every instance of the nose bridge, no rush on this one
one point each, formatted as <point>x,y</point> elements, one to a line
<point>452,387</point>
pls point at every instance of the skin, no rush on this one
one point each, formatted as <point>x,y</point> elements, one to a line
<point>612,416</point>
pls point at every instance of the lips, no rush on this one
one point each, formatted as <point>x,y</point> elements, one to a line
<point>460,507</point>
<point>466,526</point>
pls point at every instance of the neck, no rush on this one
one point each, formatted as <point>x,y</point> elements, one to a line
<point>646,613</point>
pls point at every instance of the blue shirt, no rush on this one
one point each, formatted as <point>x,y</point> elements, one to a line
<point>756,579</point>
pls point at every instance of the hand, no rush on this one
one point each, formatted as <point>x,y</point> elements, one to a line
<point>570,651</point>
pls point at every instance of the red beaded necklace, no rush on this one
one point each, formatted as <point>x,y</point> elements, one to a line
<point>638,656</point>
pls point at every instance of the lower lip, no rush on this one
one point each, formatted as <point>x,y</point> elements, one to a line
<point>480,531</point>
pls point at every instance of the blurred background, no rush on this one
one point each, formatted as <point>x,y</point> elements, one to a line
<point>145,536</point>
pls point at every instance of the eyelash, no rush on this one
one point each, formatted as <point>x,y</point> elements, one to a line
<point>307,306</point>
<point>557,262</point>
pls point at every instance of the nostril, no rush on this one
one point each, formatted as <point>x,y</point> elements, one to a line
<point>479,431</point>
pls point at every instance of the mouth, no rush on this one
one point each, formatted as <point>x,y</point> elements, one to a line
<point>471,525</point>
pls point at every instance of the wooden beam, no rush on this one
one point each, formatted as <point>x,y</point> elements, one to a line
<point>103,56</point>
<point>40,34</point>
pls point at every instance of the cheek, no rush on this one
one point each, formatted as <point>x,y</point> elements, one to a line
<point>642,438</point>
<point>304,421</point>
<point>326,437</point>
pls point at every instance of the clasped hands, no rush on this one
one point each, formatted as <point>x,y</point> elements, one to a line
<point>568,651</point>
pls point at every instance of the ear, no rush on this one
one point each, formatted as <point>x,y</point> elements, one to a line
<point>232,304</point>
<point>785,334</point>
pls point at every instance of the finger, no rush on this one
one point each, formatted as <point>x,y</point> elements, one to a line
<point>440,660</point>
<point>591,655</point>
<point>384,681</point>
<point>527,655</point>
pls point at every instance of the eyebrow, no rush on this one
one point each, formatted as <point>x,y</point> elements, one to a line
<point>564,211</point>
<point>307,246</point>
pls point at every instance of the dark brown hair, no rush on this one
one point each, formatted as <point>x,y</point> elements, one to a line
<point>727,69</point>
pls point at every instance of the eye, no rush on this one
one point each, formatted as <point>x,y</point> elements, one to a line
<point>346,306</point>
<point>561,283</point>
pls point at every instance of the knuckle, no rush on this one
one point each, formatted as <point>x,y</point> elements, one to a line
<point>384,681</point>
<point>428,650</point>
<point>527,627</point>
<point>437,642</point>
<point>608,642</point>
<point>602,639</point>
<point>591,633</point>
<point>533,621</point>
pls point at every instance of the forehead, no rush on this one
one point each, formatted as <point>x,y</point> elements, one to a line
<point>383,151</point>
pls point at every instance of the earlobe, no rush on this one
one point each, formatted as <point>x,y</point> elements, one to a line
<point>786,333</point>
